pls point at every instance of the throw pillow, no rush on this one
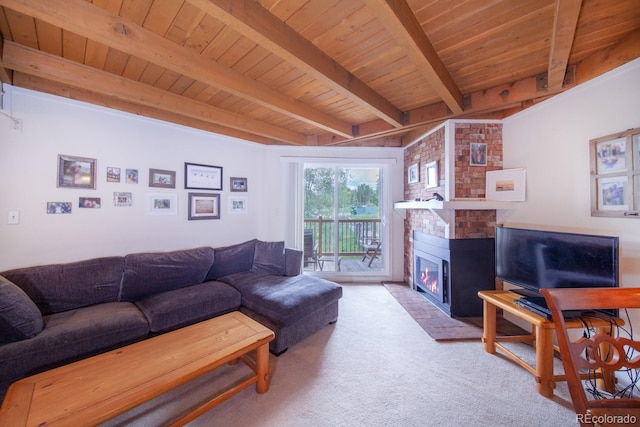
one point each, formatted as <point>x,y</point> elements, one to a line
<point>19,317</point>
<point>269,258</point>
<point>292,262</point>
<point>232,259</point>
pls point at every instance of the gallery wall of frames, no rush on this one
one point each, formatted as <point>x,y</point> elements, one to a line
<point>203,184</point>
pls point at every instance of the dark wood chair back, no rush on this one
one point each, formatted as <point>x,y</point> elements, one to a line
<point>601,352</point>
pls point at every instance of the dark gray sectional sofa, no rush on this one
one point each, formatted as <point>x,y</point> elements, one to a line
<point>51,315</point>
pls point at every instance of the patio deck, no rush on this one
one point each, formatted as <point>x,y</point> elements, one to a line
<point>350,265</point>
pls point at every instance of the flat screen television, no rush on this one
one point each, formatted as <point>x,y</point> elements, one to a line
<point>535,259</point>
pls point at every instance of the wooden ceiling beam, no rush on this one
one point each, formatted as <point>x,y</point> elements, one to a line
<point>94,23</point>
<point>417,134</point>
<point>252,20</point>
<point>400,21</point>
<point>5,73</point>
<point>619,54</point>
<point>503,97</point>
<point>507,99</point>
<point>40,84</point>
<point>565,22</point>
<point>31,61</point>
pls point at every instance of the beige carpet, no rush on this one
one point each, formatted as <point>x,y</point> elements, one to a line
<point>375,367</point>
<point>440,326</point>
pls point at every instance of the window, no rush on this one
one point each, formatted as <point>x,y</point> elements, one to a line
<point>615,174</point>
<point>342,218</point>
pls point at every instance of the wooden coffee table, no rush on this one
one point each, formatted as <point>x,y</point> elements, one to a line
<point>94,390</point>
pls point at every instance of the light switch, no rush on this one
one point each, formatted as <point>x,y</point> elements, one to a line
<point>14,217</point>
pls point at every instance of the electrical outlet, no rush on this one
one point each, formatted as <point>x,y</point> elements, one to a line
<point>14,217</point>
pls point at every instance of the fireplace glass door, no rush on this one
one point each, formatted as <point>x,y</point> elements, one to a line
<point>430,276</point>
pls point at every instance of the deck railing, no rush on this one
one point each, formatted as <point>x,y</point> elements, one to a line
<point>352,234</point>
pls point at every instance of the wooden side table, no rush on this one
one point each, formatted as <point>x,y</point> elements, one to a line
<point>541,336</point>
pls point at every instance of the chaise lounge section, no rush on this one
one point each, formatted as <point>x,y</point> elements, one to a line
<point>52,315</point>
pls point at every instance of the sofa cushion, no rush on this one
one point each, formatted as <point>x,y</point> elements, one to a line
<point>73,335</point>
<point>19,316</point>
<point>62,287</point>
<point>292,262</point>
<point>232,259</point>
<point>284,300</point>
<point>150,273</point>
<point>180,307</point>
<point>269,258</point>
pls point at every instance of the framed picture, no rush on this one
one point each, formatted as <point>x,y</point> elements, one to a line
<point>131,176</point>
<point>204,206</point>
<point>162,204</point>
<point>202,177</point>
<point>238,205</point>
<point>506,185</point>
<point>615,174</point>
<point>89,202</point>
<point>58,207</point>
<point>122,199</point>
<point>478,154</point>
<point>413,175</point>
<point>113,174</point>
<point>76,172</point>
<point>238,184</point>
<point>611,156</point>
<point>162,178</point>
<point>431,174</point>
<point>613,194</point>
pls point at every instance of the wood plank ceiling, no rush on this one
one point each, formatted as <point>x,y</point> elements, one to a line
<point>314,72</point>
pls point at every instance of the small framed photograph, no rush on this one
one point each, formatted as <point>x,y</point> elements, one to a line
<point>506,185</point>
<point>431,174</point>
<point>612,193</point>
<point>162,178</point>
<point>89,202</point>
<point>76,172</point>
<point>131,176</point>
<point>611,156</point>
<point>238,205</point>
<point>58,207</point>
<point>413,175</point>
<point>202,177</point>
<point>162,204</point>
<point>113,174</point>
<point>204,206</point>
<point>478,154</point>
<point>239,184</point>
<point>122,199</point>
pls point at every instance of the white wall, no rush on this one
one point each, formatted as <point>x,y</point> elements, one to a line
<point>551,140</point>
<point>52,125</point>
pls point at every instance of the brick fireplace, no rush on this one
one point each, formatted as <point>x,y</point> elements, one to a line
<point>449,146</point>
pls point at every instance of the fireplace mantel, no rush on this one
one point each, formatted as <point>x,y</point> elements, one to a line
<point>443,209</point>
<point>456,204</point>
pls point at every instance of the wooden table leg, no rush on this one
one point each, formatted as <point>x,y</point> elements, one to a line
<point>489,327</point>
<point>544,361</point>
<point>262,368</point>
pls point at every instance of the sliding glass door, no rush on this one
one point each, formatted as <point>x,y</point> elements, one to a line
<point>342,218</point>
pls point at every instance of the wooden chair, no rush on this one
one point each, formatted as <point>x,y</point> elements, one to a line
<point>372,250</point>
<point>601,352</point>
